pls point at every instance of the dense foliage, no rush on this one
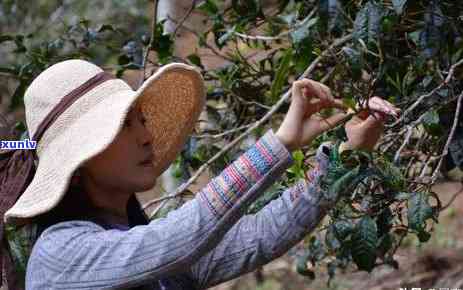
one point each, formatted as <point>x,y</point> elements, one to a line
<point>407,51</point>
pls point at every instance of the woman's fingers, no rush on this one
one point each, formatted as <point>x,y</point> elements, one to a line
<point>305,88</point>
<point>318,105</point>
<point>375,120</point>
<point>332,121</point>
<point>379,104</point>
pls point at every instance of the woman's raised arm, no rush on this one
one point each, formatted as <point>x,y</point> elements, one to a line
<point>82,255</point>
<point>260,238</point>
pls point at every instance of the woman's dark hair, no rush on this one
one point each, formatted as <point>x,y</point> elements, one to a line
<point>75,205</point>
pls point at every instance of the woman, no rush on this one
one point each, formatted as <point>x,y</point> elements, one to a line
<point>112,142</point>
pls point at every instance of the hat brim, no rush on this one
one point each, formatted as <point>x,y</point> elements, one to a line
<point>171,100</point>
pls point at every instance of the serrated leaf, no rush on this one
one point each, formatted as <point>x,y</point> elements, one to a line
<point>364,241</point>
<point>343,183</point>
<point>330,13</point>
<point>367,23</point>
<point>343,229</point>
<point>419,211</point>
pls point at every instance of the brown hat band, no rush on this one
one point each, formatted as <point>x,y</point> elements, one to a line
<point>17,166</point>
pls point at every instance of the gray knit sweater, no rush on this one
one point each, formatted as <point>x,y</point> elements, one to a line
<point>207,241</point>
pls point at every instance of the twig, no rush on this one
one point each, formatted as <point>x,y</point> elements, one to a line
<point>422,97</point>
<point>279,36</point>
<point>187,14</point>
<point>447,144</point>
<point>409,130</point>
<point>250,102</point>
<point>452,199</point>
<point>423,170</point>
<point>407,139</point>
<point>257,124</point>
<point>224,133</point>
<point>213,49</point>
<point>150,45</point>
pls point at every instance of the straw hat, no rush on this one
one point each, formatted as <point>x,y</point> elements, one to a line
<point>96,105</point>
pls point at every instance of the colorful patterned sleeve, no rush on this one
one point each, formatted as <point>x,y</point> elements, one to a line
<point>83,255</point>
<point>260,238</point>
<point>247,177</point>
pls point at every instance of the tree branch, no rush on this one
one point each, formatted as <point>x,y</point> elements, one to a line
<point>447,144</point>
<point>423,97</point>
<point>254,126</point>
<point>150,45</point>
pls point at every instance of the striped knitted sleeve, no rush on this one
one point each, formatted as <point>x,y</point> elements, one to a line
<point>260,238</point>
<point>82,255</point>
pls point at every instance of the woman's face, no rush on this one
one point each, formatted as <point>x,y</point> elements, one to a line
<point>120,167</point>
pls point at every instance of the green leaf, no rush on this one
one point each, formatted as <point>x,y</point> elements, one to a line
<point>163,43</point>
<point>195,59</point>
<point>364,241</point>
<point>303,31</point>
<point>368,22</point>
<point>281,75</point>
<point>247,9</point>
<point>419,211</point>
<point>355,60</point>
<point>423,236</point>
<point>344,183</point>
<point>209,6</point>
<point>343,229</point>
<point>399,6</point>
<point>391,174</point>
<point>330,13</point>
<point>431,123</point>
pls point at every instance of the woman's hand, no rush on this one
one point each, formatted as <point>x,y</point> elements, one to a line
<point>300,125</point>
<point>364,129</point>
